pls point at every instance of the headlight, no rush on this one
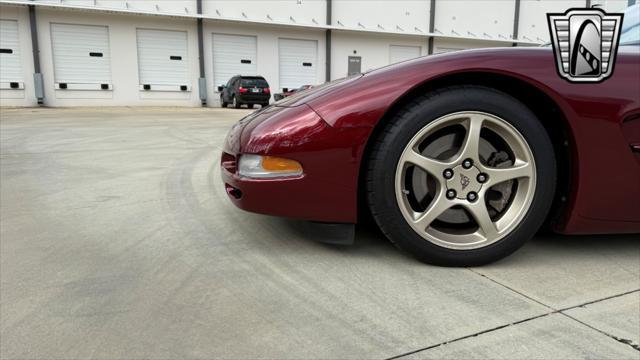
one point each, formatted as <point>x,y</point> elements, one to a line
<point>256,166</point>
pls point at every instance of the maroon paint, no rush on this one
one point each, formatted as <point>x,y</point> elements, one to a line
<point>326,129</point>
<point>328,156</point>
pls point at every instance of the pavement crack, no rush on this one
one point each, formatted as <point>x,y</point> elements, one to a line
<point>562,310</point>
<point>551,312</point>
<point>472,335</point>
<point>624,341</point>
<point>599,300</point>
<point>512,289</point>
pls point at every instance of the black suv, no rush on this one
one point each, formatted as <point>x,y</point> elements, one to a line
<point>248,90</point>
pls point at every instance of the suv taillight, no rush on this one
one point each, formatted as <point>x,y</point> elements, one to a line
<point>242,90</point>
<point>266,90</point>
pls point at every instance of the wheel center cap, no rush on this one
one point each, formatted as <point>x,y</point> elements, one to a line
<point>464,181</point>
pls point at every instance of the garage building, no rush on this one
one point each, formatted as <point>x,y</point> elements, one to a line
<point>176,53</point>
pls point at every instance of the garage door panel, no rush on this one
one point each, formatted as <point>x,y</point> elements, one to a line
<point>81,54</point>
<point>398,53</point>
<point>162,59</point>
<point>441,50</point>
<point>11,66</point>
<point>298,62</point>
<point>233,55</point>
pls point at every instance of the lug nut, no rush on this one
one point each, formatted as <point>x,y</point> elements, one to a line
<point>467,163</point>
<point>472,196</point>
<point>451,194</point>
<point>448,174</point>
<point>482,178</point>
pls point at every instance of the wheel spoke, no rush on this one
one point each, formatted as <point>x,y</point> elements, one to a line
<point>498,175</point>
<point>432,166</point>
<point>471,145</point>
<point>438,205</point>
<point>480,213</point>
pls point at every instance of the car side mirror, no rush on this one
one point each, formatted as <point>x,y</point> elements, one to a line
<point>285,89</point>
<point>220,88</point>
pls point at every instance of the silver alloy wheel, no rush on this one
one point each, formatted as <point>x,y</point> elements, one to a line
<point>235,102</point>
<point>460,181</point>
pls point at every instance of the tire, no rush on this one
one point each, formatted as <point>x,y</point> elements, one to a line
<point>223,103</point>
<point>235,102</point>
<point>392,198</point>
<point>250,106</point>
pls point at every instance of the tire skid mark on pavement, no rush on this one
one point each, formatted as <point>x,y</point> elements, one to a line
<point>270,271</point>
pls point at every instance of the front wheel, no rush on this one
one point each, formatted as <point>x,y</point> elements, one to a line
<point>461,177</point>
<point>222,102</point>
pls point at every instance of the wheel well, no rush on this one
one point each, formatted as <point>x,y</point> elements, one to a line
<point>545,109</point>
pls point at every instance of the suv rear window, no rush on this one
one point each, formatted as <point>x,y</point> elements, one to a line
<point>262,83</point>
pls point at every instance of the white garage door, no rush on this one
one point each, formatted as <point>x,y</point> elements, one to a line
<point>10,65</point>
<point>233,55</point>
<point>81,57</point>
<point>162,60</point>
<point>399,53</point>
<point>441,50</point>
<point>298,63</point>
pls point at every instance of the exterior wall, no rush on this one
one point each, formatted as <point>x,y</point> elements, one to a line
<point>283,11</point>
<point>533,17</point>
<point>482,19</point>
<point>267,51</point>
<point>373,48</point>
<point>411,16</point>
<point>160,6</point>
<point>25,97</point>
<point>447,45</point>
<point>124,60</point>
<point>365,30</point>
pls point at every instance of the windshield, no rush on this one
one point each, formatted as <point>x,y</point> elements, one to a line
<point>262,83</point>
<point>630,33</point>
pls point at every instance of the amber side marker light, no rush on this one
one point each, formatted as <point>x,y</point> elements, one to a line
<point>264,167</point>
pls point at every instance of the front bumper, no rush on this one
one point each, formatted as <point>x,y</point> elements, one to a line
<point>327,190</point>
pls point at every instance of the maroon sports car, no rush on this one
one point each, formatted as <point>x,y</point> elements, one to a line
<point>460,158</point>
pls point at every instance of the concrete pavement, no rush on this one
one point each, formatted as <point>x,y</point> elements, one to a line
<point>117,240</point>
